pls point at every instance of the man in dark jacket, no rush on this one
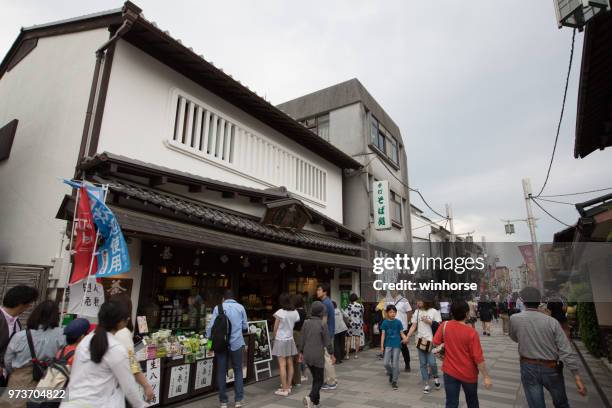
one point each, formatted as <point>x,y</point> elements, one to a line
<point>16,301</point>
<point>314,340</point>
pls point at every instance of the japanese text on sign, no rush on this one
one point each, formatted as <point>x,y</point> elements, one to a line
<point>382,215</point>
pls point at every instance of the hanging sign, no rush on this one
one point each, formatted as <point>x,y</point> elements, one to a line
<point>382,215</point>
<point>86,297</point>
<point>117,286</point>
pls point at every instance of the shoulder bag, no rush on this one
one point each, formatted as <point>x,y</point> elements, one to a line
<point>38,367</point>
<point>440,351</point>
<point>422,344</point>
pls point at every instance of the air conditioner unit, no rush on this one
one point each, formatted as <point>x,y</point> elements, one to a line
<point>576,13</point>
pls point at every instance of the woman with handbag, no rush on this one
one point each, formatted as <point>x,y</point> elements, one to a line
<point>30,350</point>
<point>422,321</point>
<point>463,357</point>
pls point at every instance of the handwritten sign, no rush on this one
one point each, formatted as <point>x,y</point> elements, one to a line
<point>204,372</point>
<point>179,380</point>
<point>86,297</point>
<point>153,377</point>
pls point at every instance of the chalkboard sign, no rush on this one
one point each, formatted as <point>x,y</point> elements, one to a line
<point>262,350</point>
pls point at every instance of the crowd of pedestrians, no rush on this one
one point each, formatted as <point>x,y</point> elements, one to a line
<point>106,374</point>
<point>98,359</point>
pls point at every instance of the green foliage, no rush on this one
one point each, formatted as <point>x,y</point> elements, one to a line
<point>579,292</point>
<point>589,328</point>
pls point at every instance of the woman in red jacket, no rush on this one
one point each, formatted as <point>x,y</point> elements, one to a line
<point>463,357</point>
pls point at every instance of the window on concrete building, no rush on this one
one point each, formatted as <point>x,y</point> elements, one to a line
<point>319,125</point>
<point>396,207</point>
<point>384,141</point>
<point>392,152</point>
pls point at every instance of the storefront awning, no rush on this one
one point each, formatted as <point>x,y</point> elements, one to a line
<point>594,121</point>
<point>148,226</point>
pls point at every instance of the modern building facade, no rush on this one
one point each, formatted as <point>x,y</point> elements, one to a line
<point>349,118</point>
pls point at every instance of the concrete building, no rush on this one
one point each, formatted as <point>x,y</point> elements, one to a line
<point>349,118</point>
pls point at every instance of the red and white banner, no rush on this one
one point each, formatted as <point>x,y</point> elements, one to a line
<point>85,237</point>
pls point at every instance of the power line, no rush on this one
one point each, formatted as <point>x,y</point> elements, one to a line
<point>549,214</point>
<point>582,192</point>
<point>430,223</point>
<point>410,188</point>
<point>555,201</point>
<point>552,157</point>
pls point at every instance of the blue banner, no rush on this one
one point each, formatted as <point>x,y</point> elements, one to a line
<point>113,256</point>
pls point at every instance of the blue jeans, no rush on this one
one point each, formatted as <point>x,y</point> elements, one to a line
<point>236,360</point>
<point>425,360</point>
<point>452,387</point>
<point>535,378</point>
<point>391,361</point>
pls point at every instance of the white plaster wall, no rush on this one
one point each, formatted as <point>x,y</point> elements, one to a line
<point>139,111</point>
<point>48,92</point>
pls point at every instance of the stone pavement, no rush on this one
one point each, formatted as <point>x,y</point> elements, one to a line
<point>362,383</point>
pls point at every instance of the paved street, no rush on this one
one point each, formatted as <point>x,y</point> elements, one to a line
<point>362,383</point>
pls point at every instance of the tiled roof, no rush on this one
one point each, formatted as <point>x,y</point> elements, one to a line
<point>227,220</point>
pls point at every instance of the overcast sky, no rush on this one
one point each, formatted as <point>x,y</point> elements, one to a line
<point>475,87</point>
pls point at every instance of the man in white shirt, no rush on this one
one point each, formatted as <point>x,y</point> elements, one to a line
<point>404,313</point>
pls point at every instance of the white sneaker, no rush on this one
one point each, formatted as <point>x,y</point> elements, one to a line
<point>239,404</point>
<point>304,378</point>
<point>437,383</point>
<point>223,405</point>
<point>426,389</point>
<point>307,402</point>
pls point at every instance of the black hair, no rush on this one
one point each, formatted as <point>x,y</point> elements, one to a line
<point>298,301</point>
<point>44,316</point>
<point>391,307</point>
<point>427,304</point>
<point>353,297</point>
<point>20,295</point>
<point>126,301</point>
<point>531,297</point>
<point>110,315</point>
<point>228,294</point>
<point>324,287</point>
<point>459,309</point>
<point>285,302</point>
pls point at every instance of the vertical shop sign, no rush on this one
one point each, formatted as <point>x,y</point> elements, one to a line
<point>179,380</point>
<point>153,377</point>
<point>382,215</point>
<point>203,375</point>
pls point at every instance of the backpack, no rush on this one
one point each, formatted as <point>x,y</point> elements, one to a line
<point>220,332</point>
<point>53,383</point>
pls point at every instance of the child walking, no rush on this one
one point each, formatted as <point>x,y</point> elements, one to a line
<point>391,343</point>
<point>313,341</point>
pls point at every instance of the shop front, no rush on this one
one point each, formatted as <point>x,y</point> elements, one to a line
<point>186,252</point>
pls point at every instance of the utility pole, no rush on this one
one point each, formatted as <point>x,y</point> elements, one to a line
<point>449,215</point>
<point>531,223</point>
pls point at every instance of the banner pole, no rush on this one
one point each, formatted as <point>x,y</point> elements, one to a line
<point>93,255</point>
<point>74,221</point>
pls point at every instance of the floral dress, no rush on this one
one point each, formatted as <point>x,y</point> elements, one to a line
<point>355,314</point>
